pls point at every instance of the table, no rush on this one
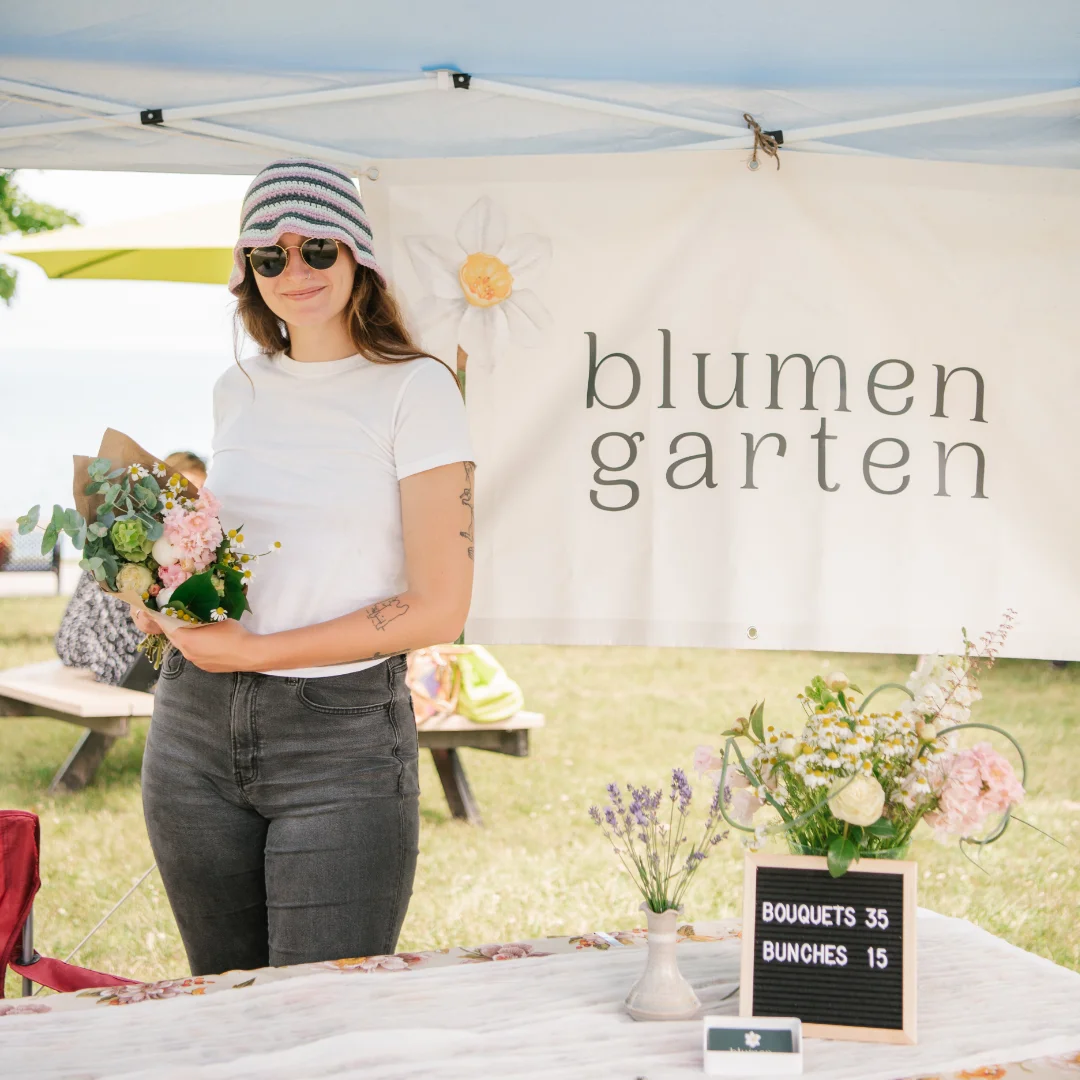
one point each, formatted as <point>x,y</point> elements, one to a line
<point>548,1007</point>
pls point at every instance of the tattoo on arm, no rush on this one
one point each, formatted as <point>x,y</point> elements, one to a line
<point>467,500</point>
<point>385,612</point>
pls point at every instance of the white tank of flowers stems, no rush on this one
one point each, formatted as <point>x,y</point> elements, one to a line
<point>656,838</point>
<point>855,782</point>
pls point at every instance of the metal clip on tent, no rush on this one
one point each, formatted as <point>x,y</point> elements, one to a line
<point>152,117</point>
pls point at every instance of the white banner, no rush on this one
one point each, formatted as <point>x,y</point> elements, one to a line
<point>828,407</point>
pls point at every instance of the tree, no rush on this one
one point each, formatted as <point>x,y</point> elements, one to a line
<point>23,215</point>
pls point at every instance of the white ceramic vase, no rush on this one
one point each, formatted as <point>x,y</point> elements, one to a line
<point>662,993</point>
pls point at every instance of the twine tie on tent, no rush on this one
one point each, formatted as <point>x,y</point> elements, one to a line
<point>763,141</point>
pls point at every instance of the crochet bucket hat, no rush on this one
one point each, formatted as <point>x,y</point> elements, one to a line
<point>307,197</point>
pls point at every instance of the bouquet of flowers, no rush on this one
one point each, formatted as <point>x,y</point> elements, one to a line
<point>151,539</point>
<point>652,849</point>
<point>856,783</point>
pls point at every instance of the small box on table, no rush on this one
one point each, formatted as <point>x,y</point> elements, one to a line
<point>753,1046</point>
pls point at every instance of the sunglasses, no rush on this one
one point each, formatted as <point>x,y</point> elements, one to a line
<point>271,260</point>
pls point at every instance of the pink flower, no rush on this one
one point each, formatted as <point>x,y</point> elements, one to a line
<point>208,502</point>
<point>705,760</point>
<point>971,786</point>
<point>1001,786</point>
<point>8,1008</point>
<point>173,575</point>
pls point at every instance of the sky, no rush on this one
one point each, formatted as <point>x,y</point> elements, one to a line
<point>77,357</point>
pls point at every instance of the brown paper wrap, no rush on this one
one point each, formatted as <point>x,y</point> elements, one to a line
<point>122,452</point>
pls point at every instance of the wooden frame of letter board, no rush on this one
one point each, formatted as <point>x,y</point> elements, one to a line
<point>907,870</point>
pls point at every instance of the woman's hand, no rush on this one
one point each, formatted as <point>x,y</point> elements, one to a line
<point>145,622</point>
<point>223,646</point>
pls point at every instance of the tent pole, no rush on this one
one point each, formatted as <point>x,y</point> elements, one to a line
<point>607,108</point>
<point>186,117</point>
<point>922,116</point>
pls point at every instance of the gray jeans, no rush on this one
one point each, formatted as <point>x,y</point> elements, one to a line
<point>283,813</point>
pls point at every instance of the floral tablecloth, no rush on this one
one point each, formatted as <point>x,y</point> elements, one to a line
<point>58,1035</point>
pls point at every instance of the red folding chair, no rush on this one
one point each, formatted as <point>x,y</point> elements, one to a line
<point>20,848</point>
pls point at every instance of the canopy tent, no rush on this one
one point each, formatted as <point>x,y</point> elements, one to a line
<point>608,140</point>
<point>183,245</point>
<point>212,87</point>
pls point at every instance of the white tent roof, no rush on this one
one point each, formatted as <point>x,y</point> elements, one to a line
<point>967,80</point>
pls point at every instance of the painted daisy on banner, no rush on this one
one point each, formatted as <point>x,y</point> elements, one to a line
<point>479,285</point>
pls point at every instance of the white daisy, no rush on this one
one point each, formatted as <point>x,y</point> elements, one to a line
<point>478,285</point>
<point>218,615</point>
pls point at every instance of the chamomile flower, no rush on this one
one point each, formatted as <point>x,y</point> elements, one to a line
<point>159,470</point>
<point>218,615</point>
<point>137,472</point>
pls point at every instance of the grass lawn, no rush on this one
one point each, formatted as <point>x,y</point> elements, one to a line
<point>540,866</point>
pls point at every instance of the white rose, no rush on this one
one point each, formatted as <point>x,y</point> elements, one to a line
<point>165,553</point>
<point>133,578</point>
<point>162,597</point>
<point>858,801</point>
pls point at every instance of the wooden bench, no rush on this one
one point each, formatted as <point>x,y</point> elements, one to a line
<point>71,694</point>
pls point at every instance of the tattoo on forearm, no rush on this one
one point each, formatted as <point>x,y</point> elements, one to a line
<point>385,612</point>
<point>467,500</point>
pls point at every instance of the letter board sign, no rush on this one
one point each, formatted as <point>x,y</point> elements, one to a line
<point>839,953</point>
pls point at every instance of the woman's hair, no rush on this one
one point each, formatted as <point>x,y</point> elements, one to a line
<point>375,322</point>
<point>185,461</point>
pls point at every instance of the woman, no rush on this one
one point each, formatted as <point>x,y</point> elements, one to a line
<point>280,775</point>
<point>96,631</point>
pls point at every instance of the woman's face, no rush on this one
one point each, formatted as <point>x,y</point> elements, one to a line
<point>301,296</point>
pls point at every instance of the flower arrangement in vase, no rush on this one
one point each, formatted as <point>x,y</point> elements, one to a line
<point>856,783</point>
<point>661,860</point>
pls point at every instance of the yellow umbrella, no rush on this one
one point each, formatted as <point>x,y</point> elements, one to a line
<point>183,245</point>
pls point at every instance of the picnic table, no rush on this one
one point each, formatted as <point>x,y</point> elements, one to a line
<point>538,1008</point>
<point>71,694</point>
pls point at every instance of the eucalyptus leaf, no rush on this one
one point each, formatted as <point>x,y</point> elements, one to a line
<point>28,522</point>
<point>98,468</point>
<point>117,472</point>
<point>48,541</point>
<point>155,531</point>
<point>93,487</point>
<point>105,519</point>
<point>78,536</point>
<point>97,529</point>
<point>58,516</point>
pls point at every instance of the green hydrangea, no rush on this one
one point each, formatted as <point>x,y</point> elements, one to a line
<point>130,540</point>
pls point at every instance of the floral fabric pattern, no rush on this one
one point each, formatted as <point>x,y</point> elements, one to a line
<point>1058,1067</point>
<point>154,991</point>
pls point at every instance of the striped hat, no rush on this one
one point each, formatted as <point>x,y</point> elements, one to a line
<point>306,197</point>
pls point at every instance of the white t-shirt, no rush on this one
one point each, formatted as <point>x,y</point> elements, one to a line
<point>311,455</point>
